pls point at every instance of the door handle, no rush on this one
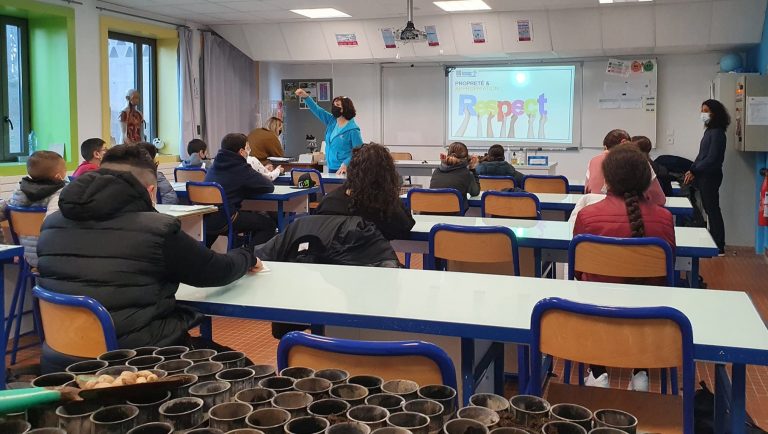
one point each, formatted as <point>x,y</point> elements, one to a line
<point>8,120</point>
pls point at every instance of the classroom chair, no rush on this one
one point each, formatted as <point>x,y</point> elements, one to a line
<point>660,337</point>
<point>22,222</point>
<point>185,174</point>
<point>485,250</point>
<point>516,205</point>
<point>419,361</point>
<point>546,184</point>
<point>316,177</point>
<point>445,201</point>
<point>403,156</point>
<point>211,193</point>
<point>89,329</point>
<point>496,183</point>
<point>632,258</point>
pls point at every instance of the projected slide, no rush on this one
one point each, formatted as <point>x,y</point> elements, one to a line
<point>511,104</point>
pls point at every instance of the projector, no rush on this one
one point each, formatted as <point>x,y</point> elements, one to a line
<point>410,34</point>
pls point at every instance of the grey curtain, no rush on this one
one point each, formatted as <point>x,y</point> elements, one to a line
<point>188,121</point>
<point>229,89</point>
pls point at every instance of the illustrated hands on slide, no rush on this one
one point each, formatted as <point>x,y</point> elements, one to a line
<point>484,108</point>
<point>512,121</point>
<point>463,127</point>
<point>542,123</point>
<point>489,125</point>
<point>301,93</point>
<point>531,120</point>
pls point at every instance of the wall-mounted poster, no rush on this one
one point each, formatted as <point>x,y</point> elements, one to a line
<point>431,32</point>
<point>346,39</point>
<point>323,91</point>
<point>478,33</point>
<point>524,31</point>
<point>389,38</point>
<point>289,87</point>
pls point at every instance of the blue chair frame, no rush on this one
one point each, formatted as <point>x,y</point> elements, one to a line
<point>567,185</point>
<point>316,172</point>
<point>368,348</point>
<point>224,207</point>
<point>187,169</point>
<point>431,263</point>
<point>511,194</point>
<point>670,270</point>
<point>81,301</point>
<point>644,241</point>
<point>639,313</point>
<point>26,278</point>
<point>462,201</point>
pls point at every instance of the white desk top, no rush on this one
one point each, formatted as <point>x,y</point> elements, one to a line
<point>281,192</point>
<point>556,232</point>
<point>719,318</point>
<point>181,211</point>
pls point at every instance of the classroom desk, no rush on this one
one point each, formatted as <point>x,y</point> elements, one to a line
<point>284,201</point>
<point>190,216</point>
<point>577,186</point>
<point>7,253</point>
<point>691,243</point>
<point>726,326</point>
<point>331,181</point>
<point>566,202</point>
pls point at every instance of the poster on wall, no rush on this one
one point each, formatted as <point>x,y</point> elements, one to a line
<point>478,33</point>
<point>323,91</point>
<point>288,91</point>
<point>618,67</point>
<point>346,39</point>
<point>311,88</point>
<point>524,31</point>
<point>432,39</point>
<point>389,38</point>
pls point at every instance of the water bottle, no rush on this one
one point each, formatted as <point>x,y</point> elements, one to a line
<point>32,142</point>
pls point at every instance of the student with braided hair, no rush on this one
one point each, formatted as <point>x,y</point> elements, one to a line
<point>625,212</point>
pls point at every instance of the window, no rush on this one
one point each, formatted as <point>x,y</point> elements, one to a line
<point>14,88</point>
<point>132,65</point>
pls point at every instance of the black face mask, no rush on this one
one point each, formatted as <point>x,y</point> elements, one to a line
<point>336,111</point>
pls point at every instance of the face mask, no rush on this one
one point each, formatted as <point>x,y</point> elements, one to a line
<point>705,118</point>
<point>336,111</point>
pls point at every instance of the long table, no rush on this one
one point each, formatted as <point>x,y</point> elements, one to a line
<point>425,168</point>
<point>726,325</point>
<point>190,216</point>
<point>284,200</point>
<point>679,206</point>
<point>691,243</point>
<point>577,186</point>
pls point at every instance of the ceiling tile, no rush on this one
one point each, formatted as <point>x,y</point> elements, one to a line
<point>249,6</point>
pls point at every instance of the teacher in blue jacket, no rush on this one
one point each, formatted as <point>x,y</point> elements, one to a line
<point>342,134</point>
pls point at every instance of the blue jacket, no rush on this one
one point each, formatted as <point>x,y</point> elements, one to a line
<point>338,148</point>
<point>238,178</point>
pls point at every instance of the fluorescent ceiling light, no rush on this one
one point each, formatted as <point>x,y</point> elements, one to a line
<point>462,5</point>
<point>321,13</point>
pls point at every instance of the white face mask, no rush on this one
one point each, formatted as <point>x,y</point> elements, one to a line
<point>705,118</point>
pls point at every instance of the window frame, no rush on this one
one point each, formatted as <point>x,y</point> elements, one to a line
<point>26,125</point>
<point>138,71</point>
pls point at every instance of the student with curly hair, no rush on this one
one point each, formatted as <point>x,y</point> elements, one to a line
<point>625,213</point>
<point>371,191</point>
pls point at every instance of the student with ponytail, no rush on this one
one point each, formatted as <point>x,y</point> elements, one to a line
<point>457,170</point>
<point>625,212</point>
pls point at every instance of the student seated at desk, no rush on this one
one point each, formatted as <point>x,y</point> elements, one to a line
<point>457,170</point>
<point>371,191</point>
<point>624,213</point>
<point>198,154</point>
<point>595,181</point>
<point>494,165</point>
<point>46,174</point>
<point>108,242</point>
<point>92,151</point>
<point>270,171</point>
<point>164,187</point>
<point>231,170</point>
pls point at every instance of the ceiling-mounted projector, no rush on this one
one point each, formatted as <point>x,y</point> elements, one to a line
<point>410,33</point>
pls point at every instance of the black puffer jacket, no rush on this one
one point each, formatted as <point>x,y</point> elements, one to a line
<point>340,240</point>
<point>107,242</point>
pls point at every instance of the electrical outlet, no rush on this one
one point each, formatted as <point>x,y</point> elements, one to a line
<point>670,140</point>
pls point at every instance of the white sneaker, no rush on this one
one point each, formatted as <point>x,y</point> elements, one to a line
<point>601,381</point>
<point>639,382</point>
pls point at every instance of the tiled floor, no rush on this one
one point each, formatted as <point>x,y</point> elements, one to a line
<point>741,270</point>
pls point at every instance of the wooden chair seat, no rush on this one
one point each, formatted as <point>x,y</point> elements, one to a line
<point>655,413</point>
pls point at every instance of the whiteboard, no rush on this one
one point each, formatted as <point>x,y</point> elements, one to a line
<point>413,105</point>
<point>636,112</point>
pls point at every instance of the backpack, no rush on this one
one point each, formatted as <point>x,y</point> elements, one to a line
<point>704,413</point>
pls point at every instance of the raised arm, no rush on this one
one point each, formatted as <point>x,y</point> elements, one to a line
<point>316,110</point>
